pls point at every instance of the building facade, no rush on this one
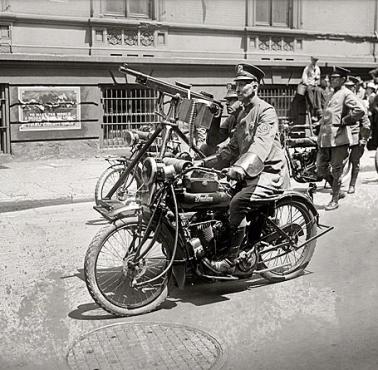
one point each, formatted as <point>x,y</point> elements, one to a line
<point>56,57</point>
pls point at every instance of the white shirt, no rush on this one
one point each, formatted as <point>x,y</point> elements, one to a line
<point>311,75</point>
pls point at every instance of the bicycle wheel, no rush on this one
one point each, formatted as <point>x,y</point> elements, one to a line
<point>108,179</point>
<point>111,272</point>
<point>297,221</point>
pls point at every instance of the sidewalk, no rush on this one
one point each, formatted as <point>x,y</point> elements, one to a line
<point>47,182</point>
<point>35,183</point>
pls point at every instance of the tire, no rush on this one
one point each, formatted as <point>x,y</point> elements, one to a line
<point>309,229</point>
<point>376,160</point>
<point>123,299</point>
<point>109,177</point>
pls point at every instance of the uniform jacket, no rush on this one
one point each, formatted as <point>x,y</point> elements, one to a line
<point>342,109</point>
<point>361,130</point>
<point>256,132</point>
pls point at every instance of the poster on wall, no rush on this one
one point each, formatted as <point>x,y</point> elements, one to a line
<point>44,108</point>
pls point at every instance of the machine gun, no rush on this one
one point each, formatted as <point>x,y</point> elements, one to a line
<point>181,89</point>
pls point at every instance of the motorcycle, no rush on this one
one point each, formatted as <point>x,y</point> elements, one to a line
<point>182,219</point>
<point>301,153</point>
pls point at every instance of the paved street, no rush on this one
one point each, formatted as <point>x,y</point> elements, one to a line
<point>326,319</point>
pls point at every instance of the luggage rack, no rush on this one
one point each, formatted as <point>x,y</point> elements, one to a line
<point>113,209</point>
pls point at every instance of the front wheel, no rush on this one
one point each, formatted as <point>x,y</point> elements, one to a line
<point>108,179</point>
<point>287,261</point>
<point>112,270</point>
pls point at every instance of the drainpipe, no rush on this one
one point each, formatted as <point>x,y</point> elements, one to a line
<point>375,30</point>
<point>90,26</point>
<point>246,24</point>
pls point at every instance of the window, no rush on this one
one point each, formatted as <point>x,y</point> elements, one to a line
<point>129,8</point>
<point>278,13</point>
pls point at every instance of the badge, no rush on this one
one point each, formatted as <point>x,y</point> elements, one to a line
<point>263,129</point>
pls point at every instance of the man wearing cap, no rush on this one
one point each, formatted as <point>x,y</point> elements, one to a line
<point>255,157</point>
<point>311,78</point>
<point>342,110</point>
<point>221,131</point>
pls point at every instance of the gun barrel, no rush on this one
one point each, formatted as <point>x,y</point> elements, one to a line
<point>163,86</point>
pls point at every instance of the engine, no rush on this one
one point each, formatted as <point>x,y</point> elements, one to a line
<point>208,233</point>
<point>304,165</point>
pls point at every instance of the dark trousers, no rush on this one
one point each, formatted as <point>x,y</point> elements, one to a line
<point>330,164</point>
<point>241,203</point>
<point>314,95</point>
<point>356,152</point>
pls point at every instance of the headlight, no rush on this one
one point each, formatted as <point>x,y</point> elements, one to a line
<point>149,171</point>
<point>154,170</point>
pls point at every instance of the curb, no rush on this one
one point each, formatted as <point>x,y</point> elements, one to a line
<point>21,205</point>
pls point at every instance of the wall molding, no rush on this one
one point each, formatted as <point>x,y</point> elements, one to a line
<point>105,21</point>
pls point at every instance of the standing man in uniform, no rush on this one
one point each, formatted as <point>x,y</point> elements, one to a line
<point>342,110</point>
<point>256,158</point>
<point>360,134</point>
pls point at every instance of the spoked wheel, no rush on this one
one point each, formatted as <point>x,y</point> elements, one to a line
<point>113,270</point>
<point>109,177</point>
<point>288,259</point>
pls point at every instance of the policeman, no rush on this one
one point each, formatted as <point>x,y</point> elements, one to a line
<point>360,134</point>
<point>256,157</point>
<point>221,131</point>
<point>343,109</point>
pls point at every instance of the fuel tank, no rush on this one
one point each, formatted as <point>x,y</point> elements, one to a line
<point>197,201</point>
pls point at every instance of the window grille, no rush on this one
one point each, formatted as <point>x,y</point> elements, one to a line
<point>126,107</point>
<point>279,97</point>
<point>133,107</point>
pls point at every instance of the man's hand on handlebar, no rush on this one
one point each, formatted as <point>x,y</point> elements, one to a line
<point>235,173</point>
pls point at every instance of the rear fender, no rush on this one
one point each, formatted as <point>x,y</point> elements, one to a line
<point>301,198</point>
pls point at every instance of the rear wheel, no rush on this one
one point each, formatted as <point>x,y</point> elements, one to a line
<point>288,261</point>
<point>111,272</point>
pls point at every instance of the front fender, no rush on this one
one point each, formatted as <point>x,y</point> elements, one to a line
<point>180,257</point>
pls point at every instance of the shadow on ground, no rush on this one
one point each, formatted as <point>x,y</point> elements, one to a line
<point>198,292</point>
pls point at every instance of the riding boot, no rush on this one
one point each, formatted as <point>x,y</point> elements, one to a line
<point>227,265</point>
<point>353,180</point>
<point>334,203</point>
